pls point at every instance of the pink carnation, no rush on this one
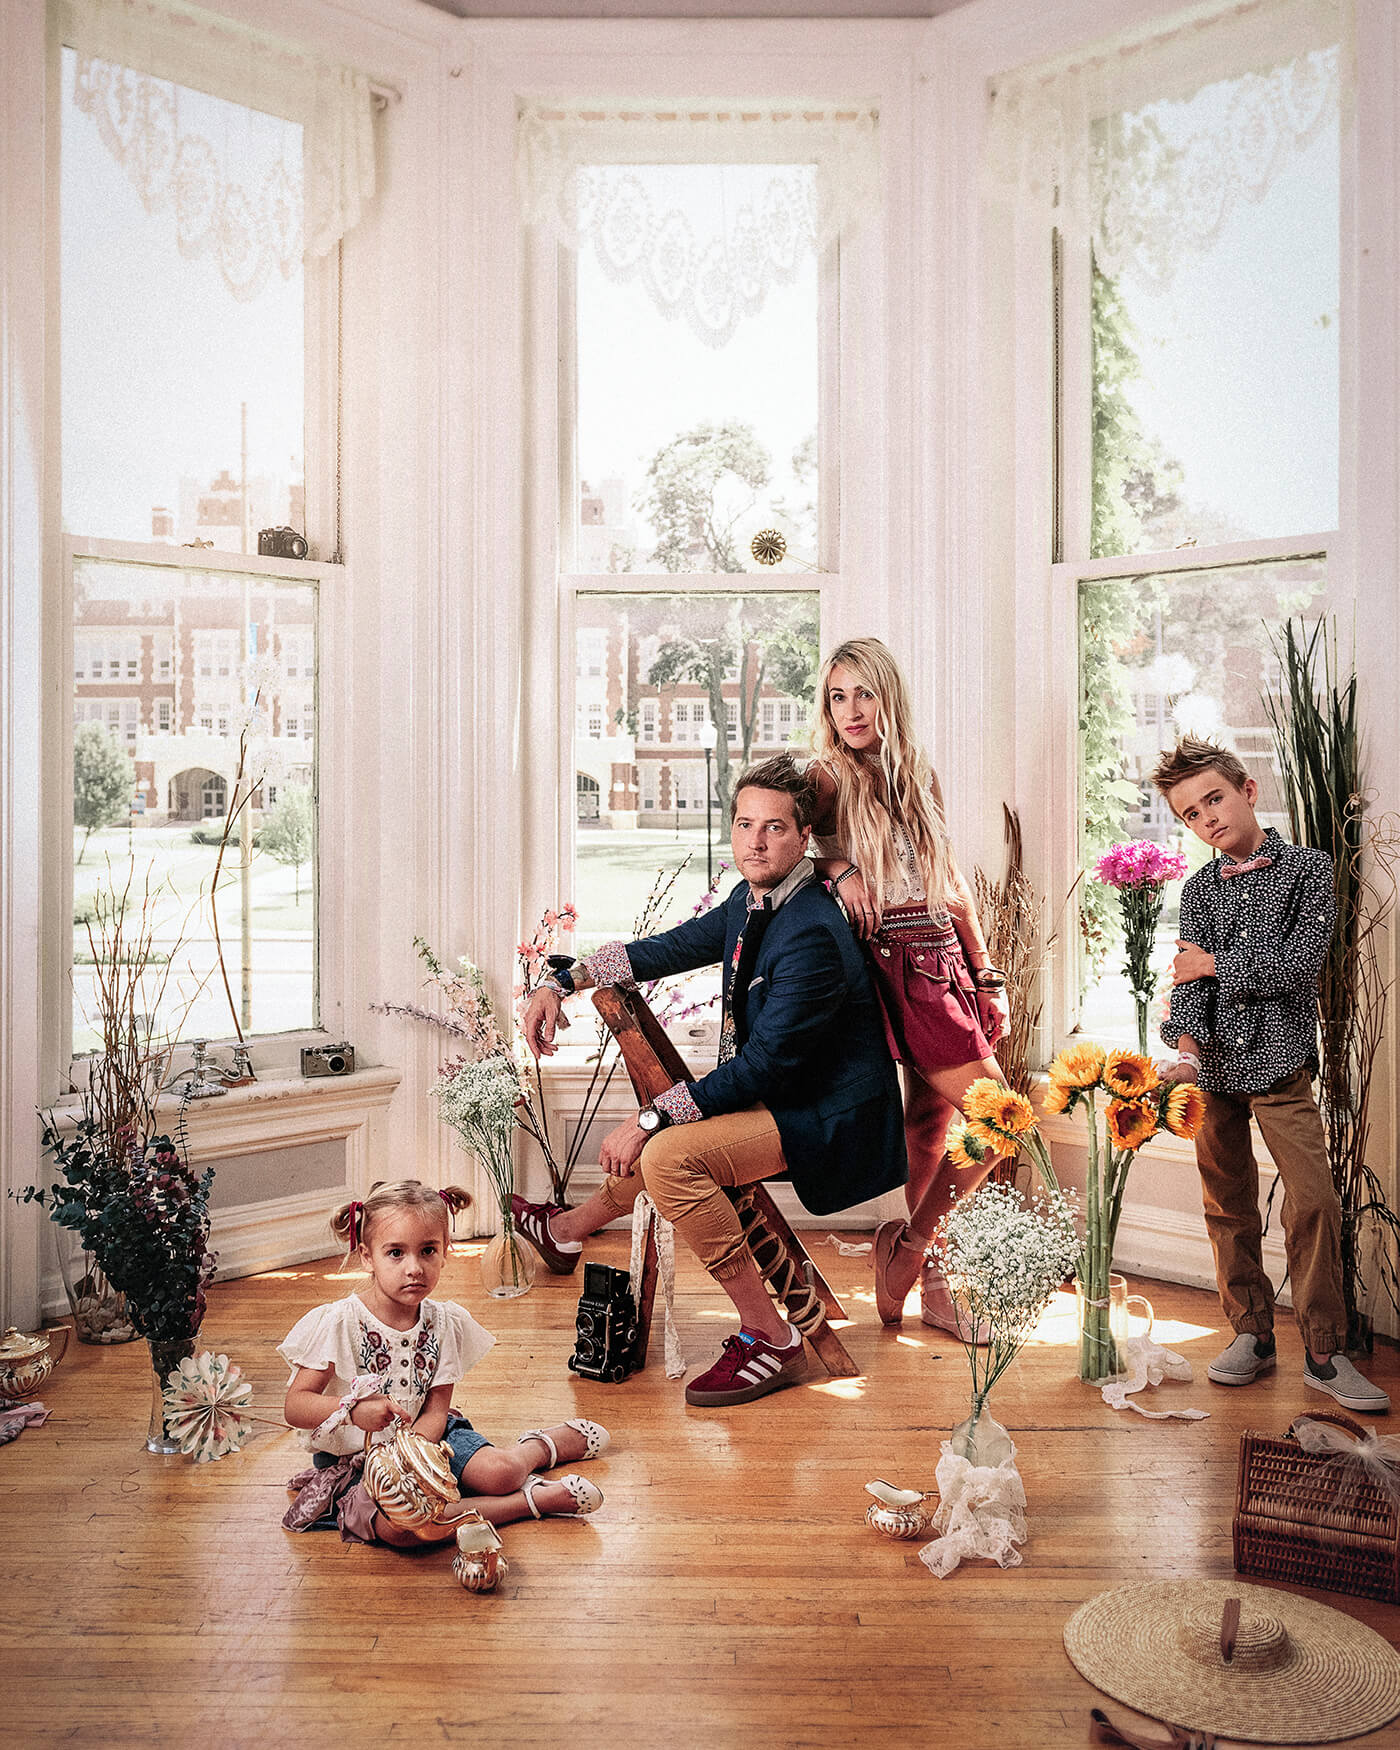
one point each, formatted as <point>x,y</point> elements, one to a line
<point>1139,863</point>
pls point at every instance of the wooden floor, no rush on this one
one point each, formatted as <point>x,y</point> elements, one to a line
<point>727,1593</point>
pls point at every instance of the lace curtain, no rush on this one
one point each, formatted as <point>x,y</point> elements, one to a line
<point>779,186</point>
<point>256,191</point>
<point>1145,145</point>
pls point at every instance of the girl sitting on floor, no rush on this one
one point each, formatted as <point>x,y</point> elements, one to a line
<point>388,1356</point>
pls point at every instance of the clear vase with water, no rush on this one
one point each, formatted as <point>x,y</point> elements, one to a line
<point>165,1357</point>
<point>981,1439</point>
<point>508,1263</point>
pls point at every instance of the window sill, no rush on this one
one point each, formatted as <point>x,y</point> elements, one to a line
<point>271,1114</point>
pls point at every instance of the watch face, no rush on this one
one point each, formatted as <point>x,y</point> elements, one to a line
<point>649,1120</point>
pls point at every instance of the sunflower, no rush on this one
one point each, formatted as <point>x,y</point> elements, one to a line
<point>963,1149</point>
<point>1131,1122</point>
<point>1128,1075</point>
<point>1058,1096</point>
<point>1012,1114</point>
<point>984,1098</point>
<point>1078,1066</point>
<point>991,1140</point>
<point>1184,1109</point>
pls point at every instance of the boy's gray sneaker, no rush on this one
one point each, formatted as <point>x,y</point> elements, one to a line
<point>1339,1379</point>
<point>1246,1358</point>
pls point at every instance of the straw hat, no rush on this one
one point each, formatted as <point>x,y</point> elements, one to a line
<point>1299,1672</point>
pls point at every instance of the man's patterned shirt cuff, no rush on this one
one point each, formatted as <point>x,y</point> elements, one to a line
<point>610,966</point>
<point>678,1106</point>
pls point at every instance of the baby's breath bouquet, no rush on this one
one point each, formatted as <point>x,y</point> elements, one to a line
<point>1004,1256</point>
<point>1136,1107</point>
<point>477,1098</point>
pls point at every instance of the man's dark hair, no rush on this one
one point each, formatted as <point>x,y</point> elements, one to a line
<point>782,772</point>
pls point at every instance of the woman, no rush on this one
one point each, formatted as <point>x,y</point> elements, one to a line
<point>880,839</point>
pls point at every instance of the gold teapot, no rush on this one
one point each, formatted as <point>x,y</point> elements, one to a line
<point>26,1362</point>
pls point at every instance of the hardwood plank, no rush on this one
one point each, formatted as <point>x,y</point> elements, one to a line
<point>728,1593</point>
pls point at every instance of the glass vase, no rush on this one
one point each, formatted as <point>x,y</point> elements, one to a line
<point>981,1439</point>
<point>507,1264</point>
<point>99,1311</point>
<point>1105,1326</point>
<point>165,1356</point>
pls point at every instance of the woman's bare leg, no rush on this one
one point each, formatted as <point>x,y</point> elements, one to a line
<point>932,1099</point>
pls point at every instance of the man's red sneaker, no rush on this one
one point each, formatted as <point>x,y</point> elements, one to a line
<point>532,1220</point>
<point>749,1367</point>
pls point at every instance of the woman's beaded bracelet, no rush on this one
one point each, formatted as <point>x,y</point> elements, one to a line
<point>853,869</point>
<point>989,978</point>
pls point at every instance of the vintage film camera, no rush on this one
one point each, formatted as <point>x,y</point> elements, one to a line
<point>282,544</point>
<point>605,1340</point>
<point>328,1060</point>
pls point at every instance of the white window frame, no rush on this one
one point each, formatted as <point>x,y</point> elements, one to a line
<point>1064,746</point>
<point>274,1053</point>
<point>1050,274</point>
<point>850,327</point>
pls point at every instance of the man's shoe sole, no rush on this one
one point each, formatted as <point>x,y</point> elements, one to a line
<point>1241,1378</point>
<point>1371,1406</point>
<point>745,1394</point>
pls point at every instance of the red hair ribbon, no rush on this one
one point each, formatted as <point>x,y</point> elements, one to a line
<point>355,1212</point>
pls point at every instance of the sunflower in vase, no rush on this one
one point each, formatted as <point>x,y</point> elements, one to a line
<point>1135,1105</point>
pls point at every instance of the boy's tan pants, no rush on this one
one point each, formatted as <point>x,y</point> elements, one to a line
<point>685,1169</point>
<point>1291,1125</point>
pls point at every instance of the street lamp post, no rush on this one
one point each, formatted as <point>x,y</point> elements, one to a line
<point>709,736</point>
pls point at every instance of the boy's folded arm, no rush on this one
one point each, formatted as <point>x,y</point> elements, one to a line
<point>1190,1013</point>
<point>1192,1004</point>
<point>1291,962</point>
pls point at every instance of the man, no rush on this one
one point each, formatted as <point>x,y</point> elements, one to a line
<point>804,1084</point>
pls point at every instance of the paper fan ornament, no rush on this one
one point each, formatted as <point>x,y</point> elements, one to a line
<point>206,1404</point>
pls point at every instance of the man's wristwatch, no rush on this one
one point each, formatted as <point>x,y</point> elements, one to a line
<point>561,974</point>
<point>651,1119</point>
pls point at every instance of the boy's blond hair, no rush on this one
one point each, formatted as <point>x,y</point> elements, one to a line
<point>1193,755</point>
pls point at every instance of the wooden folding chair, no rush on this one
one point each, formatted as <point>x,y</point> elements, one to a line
<point>654,1064</point>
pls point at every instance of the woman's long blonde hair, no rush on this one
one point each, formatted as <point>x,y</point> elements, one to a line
<point>900,782</point>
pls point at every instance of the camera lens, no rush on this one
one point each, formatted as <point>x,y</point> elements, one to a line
<point>335,1063</point>
<point>587,1324</point>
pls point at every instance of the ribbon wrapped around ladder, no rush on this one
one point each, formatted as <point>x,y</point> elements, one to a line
<point>642,1211</point>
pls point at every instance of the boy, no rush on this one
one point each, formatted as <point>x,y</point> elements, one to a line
<point>1255,927</point>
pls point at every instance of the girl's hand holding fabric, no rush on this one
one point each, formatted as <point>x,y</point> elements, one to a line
<point>375,1413</point>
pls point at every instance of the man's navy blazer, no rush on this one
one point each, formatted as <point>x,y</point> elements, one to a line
<point>811,1041</point>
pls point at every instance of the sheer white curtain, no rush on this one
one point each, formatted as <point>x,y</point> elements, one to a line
<point>288,181</point>
<point>1144,144</point>
<point>779,184</point>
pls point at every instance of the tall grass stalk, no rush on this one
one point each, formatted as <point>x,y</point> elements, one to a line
<point>1318,741</point>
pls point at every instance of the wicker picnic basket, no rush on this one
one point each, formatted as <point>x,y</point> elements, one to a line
<point>1307,1520</point>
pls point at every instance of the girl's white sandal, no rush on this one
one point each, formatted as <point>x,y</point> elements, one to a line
<point>596,1439</point>
<point>587,1497</point>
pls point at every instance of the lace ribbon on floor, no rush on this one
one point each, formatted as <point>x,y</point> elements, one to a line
<point>981,1514</point>
<point>1148,1363</point>
<point>665,1271</point>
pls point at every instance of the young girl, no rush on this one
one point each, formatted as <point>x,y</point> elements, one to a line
<point>388,1356</point>
<point>880,839</point>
